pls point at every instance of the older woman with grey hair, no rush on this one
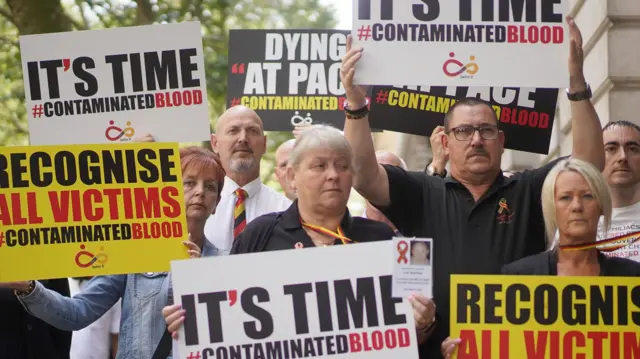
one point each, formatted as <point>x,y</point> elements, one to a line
<point>574,196</point>
<point>320,169</point>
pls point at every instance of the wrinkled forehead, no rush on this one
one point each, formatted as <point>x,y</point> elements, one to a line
<point>621,135</point>
<point>475,115</point>
<point>240,119</point>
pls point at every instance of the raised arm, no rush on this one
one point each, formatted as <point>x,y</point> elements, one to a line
<point>370,178</point>
<point>65,313</point>
<point>585,124</point>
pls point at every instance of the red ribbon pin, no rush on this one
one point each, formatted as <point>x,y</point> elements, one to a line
<point>403,248</point>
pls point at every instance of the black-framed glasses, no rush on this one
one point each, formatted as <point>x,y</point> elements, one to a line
<point>466,132</point>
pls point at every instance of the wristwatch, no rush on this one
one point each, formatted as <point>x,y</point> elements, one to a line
<point>432,172</point>
<point>580,96</point>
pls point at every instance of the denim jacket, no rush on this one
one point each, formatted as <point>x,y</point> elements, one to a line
<point>143,297</point>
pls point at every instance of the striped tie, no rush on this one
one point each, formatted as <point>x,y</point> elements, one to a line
<point>239,213</point>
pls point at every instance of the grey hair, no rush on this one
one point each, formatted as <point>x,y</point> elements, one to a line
<point>596,182</point>
<point>320,136</point>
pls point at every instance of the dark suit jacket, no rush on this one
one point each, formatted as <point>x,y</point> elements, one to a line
<point>545,263</point>
<point>23,336</point>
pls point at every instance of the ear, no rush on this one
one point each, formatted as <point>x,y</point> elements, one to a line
<point>291,177</point>
<point>264,149</point>
<point>214,142</point>
<point>501,138</point>
<point>444,139</point>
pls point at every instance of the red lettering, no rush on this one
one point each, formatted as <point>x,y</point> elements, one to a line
<point>76,207</point>
<point>558,35</point>
<point>468,347</point>
<point>59,205</point>
<point>567,344</point>
<point>533,119</point>
<point>597,338</point>
<point>172,206</point>
<point>377,340</point>
<point>32,209</point>
<point>136,231</point>
<point>631,345</point>
<point>187,98</point>
<point>554,348</point>
<point>176,98</point>
<point>90,197</point>
<point>197,97</point>
<point>147,202</point>
<point>159,100</point>
<point>537,352</point>
<point>404,339</point>
<point>522,117</point>
<point>155,230</point>
<point>112,197</point>
<point>545,34</point>
<point>615,346</point>
<point>390,338</point>
<point>17,210</point>
<point>512,33</point>
<point>533,34</point>
<point>544,120</point>
<point>126,199</point>
<point>354,343</point>
<point>504,115</point>
<point>5,214</point>
<point>486,344</point>
<point>504,344</point>
<point>176,227</point>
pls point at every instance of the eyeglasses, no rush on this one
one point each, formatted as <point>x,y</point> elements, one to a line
<point>466,132</point>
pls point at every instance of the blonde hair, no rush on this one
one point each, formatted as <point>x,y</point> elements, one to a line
<point>320,136</point>
<point>596,182</point>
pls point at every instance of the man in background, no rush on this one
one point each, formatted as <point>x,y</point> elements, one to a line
<point>371,212</point>
<point>240,142</point>
<point>622,171</point>
<point>282,159</point>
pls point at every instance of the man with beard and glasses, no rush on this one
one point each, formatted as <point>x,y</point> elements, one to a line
<point>478,218</point>
<point>622,171</point>
<point>240,142</point>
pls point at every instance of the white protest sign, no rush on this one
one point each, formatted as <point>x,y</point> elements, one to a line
<point>105,86</point>
<point>514,43</point>
<point>316,302</point>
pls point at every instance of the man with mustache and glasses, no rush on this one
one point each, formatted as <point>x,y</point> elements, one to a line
<point>478,218</point>
<point>240,142</point>
<point>622,171</point>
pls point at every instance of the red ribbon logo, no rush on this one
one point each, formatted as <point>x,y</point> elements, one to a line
<point>403,248</point>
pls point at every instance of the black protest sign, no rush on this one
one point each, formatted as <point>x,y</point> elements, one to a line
<point>289,77</point>
<point>525,114</point>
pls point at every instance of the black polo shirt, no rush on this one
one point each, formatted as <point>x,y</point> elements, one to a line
<point>469,237</point>
<point>277,231</point>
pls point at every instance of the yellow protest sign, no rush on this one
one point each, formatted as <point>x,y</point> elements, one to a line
<point>545,317</point>
<point>71,211</point>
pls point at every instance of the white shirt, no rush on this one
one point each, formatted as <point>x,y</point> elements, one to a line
<point>260,200</point>
<point>624,220</point>
<point>94,341</point>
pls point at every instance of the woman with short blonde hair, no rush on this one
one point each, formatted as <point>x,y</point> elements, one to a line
<point>574,196</point>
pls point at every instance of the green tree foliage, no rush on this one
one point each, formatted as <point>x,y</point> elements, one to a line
<point>24,17</point>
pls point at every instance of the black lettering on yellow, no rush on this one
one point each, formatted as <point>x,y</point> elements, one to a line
<point>468,307</point>
<point>635,299</point>
<point>574,313</point>
<point>491,303</point>
<point>166,165</point>
<point>601,305</point>
<point>89,162</point>
<point>38,161</point>
<point>545,309</point>
<point>151,174</point>
<point>512,299</point>
<point>66,170</point>
<point>17,170</point>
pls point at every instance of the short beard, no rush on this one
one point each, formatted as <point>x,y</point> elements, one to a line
<point>242,166</point>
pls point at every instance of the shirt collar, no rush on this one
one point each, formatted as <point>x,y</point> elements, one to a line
<point>500,180</point>
<point>208,249</point>
<point>230,186</point>
<point>291,218</point>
